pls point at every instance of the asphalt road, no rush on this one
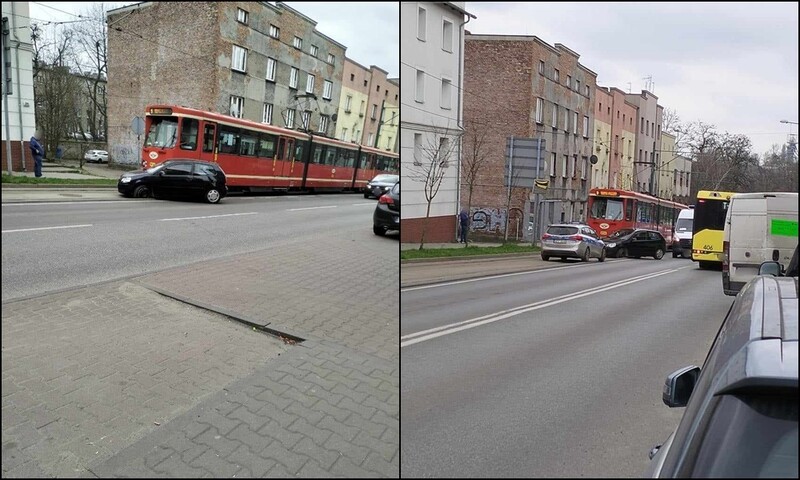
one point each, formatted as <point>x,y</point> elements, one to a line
<point>56,245</point>
<point>555,373</point>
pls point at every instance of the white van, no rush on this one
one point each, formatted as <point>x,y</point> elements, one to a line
<point>759,227</point>
<point>682,236</point>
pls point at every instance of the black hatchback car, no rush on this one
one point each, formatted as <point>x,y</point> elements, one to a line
<point>184,178</point>
<point>636,243</point>
<point>387,212</point>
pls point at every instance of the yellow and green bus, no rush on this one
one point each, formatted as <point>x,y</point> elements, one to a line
<point>708,228</point>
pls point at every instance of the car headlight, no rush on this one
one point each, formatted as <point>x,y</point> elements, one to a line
<point>125,179</point>
<point>611,245</point>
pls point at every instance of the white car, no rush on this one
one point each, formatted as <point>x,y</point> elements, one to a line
<point>98,156</point>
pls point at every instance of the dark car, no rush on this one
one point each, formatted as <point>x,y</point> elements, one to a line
<point>742,406</point>
<point>636,243</point>
<point>387,212</point>
<point>380,185</point>
<point>185,178</point>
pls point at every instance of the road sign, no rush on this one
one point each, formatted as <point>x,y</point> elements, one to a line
<point>523,155</point>
<point>137,125</point>
<point>541,184</point>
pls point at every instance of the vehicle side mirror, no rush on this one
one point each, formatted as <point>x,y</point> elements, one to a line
<point>679,385</point>
<point>770,268</point>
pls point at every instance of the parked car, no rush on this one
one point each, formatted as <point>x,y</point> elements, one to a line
<point>572,240</point>
<point>741,407</point>
<point>636,243</point>
<point>387,211</point>
<point>98,156</point>
<point>380,185</point>
<point>176,178</point>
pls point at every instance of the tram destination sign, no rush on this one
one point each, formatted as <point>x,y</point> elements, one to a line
<point>522,156</point>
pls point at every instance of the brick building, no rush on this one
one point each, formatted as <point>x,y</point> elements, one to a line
<point>253,60</point>
<point>523,87</point>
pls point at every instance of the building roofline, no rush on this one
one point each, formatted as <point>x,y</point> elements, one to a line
<point>129,8</point>
<point>510,38</point>
<point>356,63</point>
<point>455,7</point>
<point>378,68</point>
<point>282,5</point>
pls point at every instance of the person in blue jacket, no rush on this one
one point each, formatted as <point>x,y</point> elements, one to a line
<point>38,154</point>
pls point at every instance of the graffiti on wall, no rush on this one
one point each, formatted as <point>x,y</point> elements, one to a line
<point>488,220</point>
<point>126,154</point>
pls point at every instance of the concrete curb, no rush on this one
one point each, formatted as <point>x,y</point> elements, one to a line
<point>467,258</point>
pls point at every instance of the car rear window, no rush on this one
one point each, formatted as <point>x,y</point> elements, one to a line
<point>562,230</point>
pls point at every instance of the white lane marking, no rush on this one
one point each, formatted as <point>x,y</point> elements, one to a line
<point>479,279</point>
<point>27,204</point>
<point>44,228</point>
<point>362,204</point>
<point>310,208</point>
<point>208,216</point>
<point>432,333</point>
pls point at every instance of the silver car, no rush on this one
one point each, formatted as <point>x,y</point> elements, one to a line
<point>575,240</point>
<point>98,156</point>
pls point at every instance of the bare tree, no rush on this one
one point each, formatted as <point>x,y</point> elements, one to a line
<point>430,169</point>
<point>475,157</point>
<point>91,42</point>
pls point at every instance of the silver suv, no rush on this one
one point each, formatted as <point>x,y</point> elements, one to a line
<point>575,240</point>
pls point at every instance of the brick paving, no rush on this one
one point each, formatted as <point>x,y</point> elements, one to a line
<point>118,380</point>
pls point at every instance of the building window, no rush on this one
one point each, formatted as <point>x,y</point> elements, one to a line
<point>267,115</point>
<point>417,149</point>
<point>420,93</point>
<point>564,167</point>
<point>447,35</point>
<point>539,110</point>
<point>352,77</point>
<point>575,123</point>
<point>305,120</point>
<point>271,66</point>
<point>378,88</point>
<point>642,126</point>
<point>553,164</point>
<point>347,101</point>
<point>584,167</point>
<point>555,115</point>
<point>331,58</point>
<point>572,162</point>
<point>323,124</point>
<point>310,83</point>
<point>421,23</point>
<point>290,118</point>
<point>388,143</point>
<point>362,109</point>
<point>374,111</point>
<point>555,75</point>
<point>237,106</point>
<point>293,78</point>
<point>569,81</point>
<point>446,94</point>
<point>242,16</point>
<point>239,59</point>
<point>541,67</point>
<point>585,127</point>
<point>343,137</point>
<point>370,139</point>
<point>577,86</point>
<point>327,90</point>
<point>566,120</point>
<point>313,51</point>
<point>274,31</point>
<point>587,90</point>
<point>298,43</point>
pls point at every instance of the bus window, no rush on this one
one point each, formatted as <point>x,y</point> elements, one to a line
<point>629,209</point>
<point>266,146</point>
<point>208,138</point>
<point>247,145</point>
<point>228,139</point>
<point>189,128</point>
<point>163,132</point>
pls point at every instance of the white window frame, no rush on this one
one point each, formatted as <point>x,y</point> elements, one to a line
<point>541,67</point>
<point>327,90</point>
<point>419,95</point>
<point>584,167</point>
<point>297,42</point>
<point>553,161</point>
<point>290,118</point>
<point>585,126</point>
<point>239,59</point>
<point>539,110</point>
<point>274,31</point>
<point>266,116</point>
<point>323,124</point>
<point>343,136</point>
<point>446,99</point>
<point>305,119</point>
<point>314,50</point>
<point>293,75</point>
<point>374,112</point>
<point>422,23</point>
<point>447,36</point>
<point>331,58</point>
<point>575,123</point>
<point>242,16</point>
<point>569,82</point>
<point>555,115</point>
<point>564,166</point>
<point>272,67</point>
<point>370,139</point>
<point>236,107</point>
<point>572,160</point>
<point>556,75</point>
<point>310,83</point>
<point>566,120</point>
<point>347,103</point>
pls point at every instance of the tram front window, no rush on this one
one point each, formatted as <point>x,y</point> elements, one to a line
<point>163,132</point>
<point>607,209</point>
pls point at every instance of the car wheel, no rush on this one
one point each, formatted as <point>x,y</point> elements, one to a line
<point>621,253</point>
<point>585,257</point>
<point>378,230</point>
<point>602,256</point>
<point>659,254</point>
<point>545,257</point>
<point>213,196</point>
<point>142,191</point>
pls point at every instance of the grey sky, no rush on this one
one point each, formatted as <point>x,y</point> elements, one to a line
<point>733,65</point>
<point>369,30</point>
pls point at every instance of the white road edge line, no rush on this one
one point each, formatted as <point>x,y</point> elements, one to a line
<point>28,204</point>
<point>490,277</point>
<point>208,216</point>
<point>494,317</point>
<point>310,208</point>
<point>44,228</point>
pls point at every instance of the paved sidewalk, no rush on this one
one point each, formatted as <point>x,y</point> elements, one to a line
<point>150,377</point>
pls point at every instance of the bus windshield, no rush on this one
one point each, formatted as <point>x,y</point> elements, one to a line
<point>607,208</point>
<point>710,215</point>
<point>163,132</point>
